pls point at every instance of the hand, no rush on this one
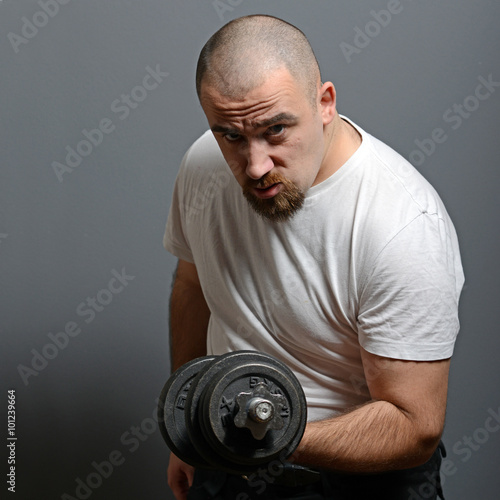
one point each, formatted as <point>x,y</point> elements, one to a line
<point>180,477</point>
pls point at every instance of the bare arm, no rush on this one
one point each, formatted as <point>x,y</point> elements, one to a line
<point>189,315</point>
<point>400,428</point>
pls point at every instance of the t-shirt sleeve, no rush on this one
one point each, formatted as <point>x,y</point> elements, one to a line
<point>408,306</point>
<point>175,239</point>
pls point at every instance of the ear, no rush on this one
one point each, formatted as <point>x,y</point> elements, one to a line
<point>327,102</point>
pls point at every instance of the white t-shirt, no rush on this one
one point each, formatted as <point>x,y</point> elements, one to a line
<point>371,259</point>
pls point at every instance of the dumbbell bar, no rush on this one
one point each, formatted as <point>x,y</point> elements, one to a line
<point>235,412</point>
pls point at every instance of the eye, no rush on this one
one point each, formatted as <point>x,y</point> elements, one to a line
<point>232,136</point>
<point>275,130</point>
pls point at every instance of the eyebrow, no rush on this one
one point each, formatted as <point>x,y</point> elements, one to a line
<point>279,118</point>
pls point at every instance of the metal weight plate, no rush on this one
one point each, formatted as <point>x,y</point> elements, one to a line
<point>171,411</point>
<point>194,423</point>
<point>236,429</point>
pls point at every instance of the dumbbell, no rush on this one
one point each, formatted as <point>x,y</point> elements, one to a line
<point>235,412</point>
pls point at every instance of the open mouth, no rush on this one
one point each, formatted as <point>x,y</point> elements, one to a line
<point>269,191</point>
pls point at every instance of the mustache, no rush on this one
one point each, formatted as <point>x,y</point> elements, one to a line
<point>265,181</point>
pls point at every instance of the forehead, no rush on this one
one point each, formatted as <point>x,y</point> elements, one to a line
<point>280,93</point>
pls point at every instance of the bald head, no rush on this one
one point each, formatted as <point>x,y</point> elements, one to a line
<point>238,57</point>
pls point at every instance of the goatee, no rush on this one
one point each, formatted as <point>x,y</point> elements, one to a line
<point>281,207</point>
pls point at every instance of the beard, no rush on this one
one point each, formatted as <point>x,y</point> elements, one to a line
<point>281,207</point>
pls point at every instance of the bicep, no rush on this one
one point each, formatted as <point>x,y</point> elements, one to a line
<point>187,273</point>
<point>416,388</point>
<point>189,316</point>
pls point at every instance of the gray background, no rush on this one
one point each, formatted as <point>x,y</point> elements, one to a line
<point>61,241</point>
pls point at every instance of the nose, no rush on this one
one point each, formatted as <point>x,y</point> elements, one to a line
<point>259,163</point>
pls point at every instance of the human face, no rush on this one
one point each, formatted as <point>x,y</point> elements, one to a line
<point>272,139</point>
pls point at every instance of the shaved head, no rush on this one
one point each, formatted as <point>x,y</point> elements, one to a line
<point>239,57</point>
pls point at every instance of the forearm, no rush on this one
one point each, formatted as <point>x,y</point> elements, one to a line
<point>189,317</point>
<point>373,438</point>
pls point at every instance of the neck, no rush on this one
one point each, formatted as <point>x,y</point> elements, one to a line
<point>341,142</point>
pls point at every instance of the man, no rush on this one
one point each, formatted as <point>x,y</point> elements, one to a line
<point>343,264</point>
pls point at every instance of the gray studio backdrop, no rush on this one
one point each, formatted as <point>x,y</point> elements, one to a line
<point>97,107</point>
